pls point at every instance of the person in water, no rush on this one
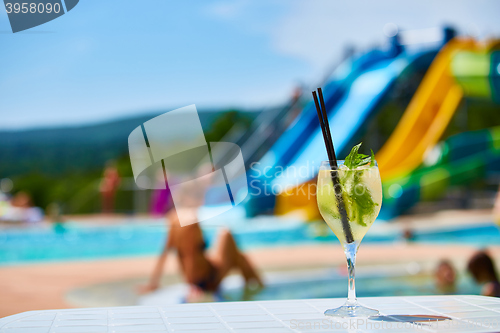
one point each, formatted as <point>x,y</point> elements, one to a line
<point>203,272</point>
<point>445,277</point>
<point>482,268</point>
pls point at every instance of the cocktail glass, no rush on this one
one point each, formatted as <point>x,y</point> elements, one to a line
<point>349,209</point>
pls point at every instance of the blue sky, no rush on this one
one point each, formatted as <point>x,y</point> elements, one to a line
<point>115,58</point>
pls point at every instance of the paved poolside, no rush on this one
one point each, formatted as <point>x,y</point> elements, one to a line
<point>46,285</point>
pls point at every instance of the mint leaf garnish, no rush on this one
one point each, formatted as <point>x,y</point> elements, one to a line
<point>355,159</point>
<point>358,200</point>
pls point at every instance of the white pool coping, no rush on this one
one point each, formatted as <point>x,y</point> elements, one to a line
<point>467,313</point>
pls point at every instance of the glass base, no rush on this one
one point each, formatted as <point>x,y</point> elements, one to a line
<point>352,310</point>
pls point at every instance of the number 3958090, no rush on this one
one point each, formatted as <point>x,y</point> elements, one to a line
<point>32,8</point>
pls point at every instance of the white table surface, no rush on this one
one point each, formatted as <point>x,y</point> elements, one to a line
<point>468,313</point>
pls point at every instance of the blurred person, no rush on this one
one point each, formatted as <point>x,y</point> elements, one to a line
<point>161,202</point>
<point>55,217</point>
<point>295,107</point>
<point>161,199</point>
<point>408,235</point>
<point>297,93</point>
<point>108,187</point>
<point>4,204</point>
<point>445,276</point>
<point>22,210</point>
<point>482,268</point>
<point>21,199</point>
<point>202,272</point>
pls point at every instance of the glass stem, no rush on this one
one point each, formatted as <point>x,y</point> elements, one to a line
<point>350,253</point>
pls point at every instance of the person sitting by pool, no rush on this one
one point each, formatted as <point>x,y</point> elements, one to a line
<point>204,273</point>
<point>21,209</point>
<point>445,277</point>
<point>483,270</point>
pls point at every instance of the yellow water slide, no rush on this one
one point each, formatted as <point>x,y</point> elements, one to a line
<point>427,115</point>
<point>421,127</point>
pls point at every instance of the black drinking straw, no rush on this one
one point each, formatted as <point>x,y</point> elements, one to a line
<point>327,129</point>
<point>327,136</point>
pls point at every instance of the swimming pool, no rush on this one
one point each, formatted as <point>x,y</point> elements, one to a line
<point>85,242</point>
<point>322,283</point>
<point>333,284</point>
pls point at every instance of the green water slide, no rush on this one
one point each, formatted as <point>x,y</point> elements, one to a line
<point>478,74</point>
<point>463,158</point>
<point>460,160</point>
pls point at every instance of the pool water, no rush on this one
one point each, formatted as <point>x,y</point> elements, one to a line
<point>85,242</point>
<point>331,284</point>
<point>483,235</point>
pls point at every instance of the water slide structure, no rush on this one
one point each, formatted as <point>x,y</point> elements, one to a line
<point>429,112</point>
<point>461,159</point>
<point>264,130</point>
<point>462,67</point>
<point>352,97</point>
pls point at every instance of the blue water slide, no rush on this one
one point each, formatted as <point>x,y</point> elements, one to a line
<point>352,96</point>
<point>297,134</point>
<point>349,117</point>
<point>307,123</point>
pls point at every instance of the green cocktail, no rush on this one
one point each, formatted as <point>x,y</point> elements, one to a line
<point>350,208</point>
